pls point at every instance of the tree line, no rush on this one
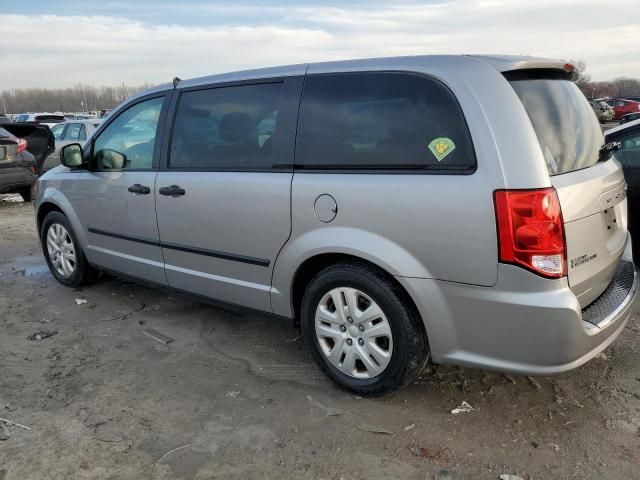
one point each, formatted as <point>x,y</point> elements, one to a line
<point>618,87</point>
<point>79,98</point>
<point>83,98</point>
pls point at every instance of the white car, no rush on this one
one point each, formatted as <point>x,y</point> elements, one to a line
<point>71,131</point>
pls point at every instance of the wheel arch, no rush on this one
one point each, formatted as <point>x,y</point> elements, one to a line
<point>306,254</point>
<point>44,210</point>
<point>313,265</point>
<point>57,202</point>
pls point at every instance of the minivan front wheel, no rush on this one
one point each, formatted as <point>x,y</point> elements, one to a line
<point>62,252</point>
<point>361,329</point>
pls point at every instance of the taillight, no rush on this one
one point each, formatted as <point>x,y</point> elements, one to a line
<point>22,145</point>
<point>531,230</point>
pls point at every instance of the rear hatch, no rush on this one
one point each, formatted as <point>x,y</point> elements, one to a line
<point>40,141</point>
<point>590,185</point>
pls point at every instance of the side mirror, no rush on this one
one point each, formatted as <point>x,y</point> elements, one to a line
<point>71,155</point>
<point>108,159</point>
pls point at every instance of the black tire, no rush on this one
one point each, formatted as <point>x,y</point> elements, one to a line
<point>83,272</point>
<point>410,346</point>
<point>25,193</point>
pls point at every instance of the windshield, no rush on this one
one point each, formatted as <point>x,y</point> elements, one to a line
<point>567,129</point>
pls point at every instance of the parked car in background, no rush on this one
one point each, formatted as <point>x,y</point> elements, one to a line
<point>622,106</point>
<point>401,209</point>
<point>23,149</point>
<point>604,112</point>
<point>49,119</point>
<point>71,131</point>
<point>628,154</point>
<point>637,99</point>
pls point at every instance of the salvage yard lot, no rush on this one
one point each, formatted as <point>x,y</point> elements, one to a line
<point>235,396</point>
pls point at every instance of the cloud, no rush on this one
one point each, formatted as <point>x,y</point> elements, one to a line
<point>56,50</point>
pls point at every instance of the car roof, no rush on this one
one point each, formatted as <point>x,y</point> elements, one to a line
<point>624,126</point>
<point>502,63</point>
<point>84,120</point>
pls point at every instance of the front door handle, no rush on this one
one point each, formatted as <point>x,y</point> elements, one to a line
<point>137,188</point>
<point>172,191</point>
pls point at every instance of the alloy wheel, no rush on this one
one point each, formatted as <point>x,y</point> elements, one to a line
<point>61,250</point>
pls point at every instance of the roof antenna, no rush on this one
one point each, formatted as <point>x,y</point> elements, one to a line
<point>175,81</point>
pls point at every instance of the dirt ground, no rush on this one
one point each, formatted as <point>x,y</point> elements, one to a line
<point>236,397</point>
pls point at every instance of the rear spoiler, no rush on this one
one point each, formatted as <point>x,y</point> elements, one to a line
<point>40,140</point>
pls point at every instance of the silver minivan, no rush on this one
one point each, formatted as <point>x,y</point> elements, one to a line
<point>458,209</point>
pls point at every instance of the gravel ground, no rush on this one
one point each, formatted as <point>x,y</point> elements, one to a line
<point>236,397</point>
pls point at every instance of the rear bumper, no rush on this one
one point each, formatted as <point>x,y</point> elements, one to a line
<point>524,324</point>
<point>14,178</point>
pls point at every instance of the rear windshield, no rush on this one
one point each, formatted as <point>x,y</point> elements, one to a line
<point>50,118</point>
<point>567,129</point>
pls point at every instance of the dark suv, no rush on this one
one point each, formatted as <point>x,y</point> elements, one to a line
<point>23,149</point>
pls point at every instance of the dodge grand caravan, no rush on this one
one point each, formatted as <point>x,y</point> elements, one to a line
<point>462,209</point>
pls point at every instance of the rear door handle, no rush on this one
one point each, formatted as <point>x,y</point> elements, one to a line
<point>137,188</point>
<point>172,191</point>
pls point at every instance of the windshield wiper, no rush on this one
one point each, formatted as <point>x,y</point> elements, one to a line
<point>604,153</point>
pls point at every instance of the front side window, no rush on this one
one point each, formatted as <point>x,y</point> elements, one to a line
<point>73,132</point>
<point>57,131</point>
<point>129,141</point>
<point>382,121</point>
<point>226,128</point>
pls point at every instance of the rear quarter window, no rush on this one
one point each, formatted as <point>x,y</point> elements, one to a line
<point>381,120</point>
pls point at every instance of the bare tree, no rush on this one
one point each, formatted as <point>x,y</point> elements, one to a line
<point>583,77</point>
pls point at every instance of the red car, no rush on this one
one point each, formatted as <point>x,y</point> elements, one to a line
<point>622,106</point>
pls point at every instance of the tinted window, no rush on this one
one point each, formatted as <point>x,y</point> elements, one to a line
<point>568,132</point>
<point>226,128</point>
<point>381,120</point>
<point>73,132</point>
<point>129,141</point>
<point>629,153</point>
<point>82,135</point>
<point>50,118</point>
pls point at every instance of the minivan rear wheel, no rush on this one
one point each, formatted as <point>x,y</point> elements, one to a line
<point>362,330</point>
<point>62,252</point>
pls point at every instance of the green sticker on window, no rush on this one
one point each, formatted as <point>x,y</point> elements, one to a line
<point>441,147</point>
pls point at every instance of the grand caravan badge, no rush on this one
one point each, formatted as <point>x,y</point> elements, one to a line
<point>441,147</point>
<point>582,259</point>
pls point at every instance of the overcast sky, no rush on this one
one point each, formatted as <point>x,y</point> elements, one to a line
<point>61,43</point>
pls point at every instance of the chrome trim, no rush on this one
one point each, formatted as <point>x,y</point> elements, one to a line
<point>613,316</point>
